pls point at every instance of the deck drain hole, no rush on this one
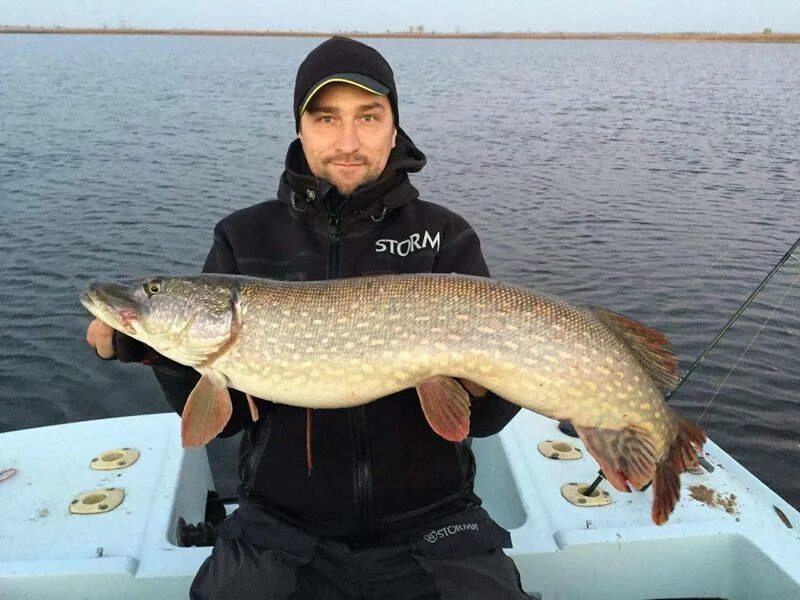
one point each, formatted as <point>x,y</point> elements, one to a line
<point>94,498</point>
<point>96,501</point>
<point>574,494</point>
<point>119,458</point>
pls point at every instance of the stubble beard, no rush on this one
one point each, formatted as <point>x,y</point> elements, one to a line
<point>346,186</point>
<point>346,189</point>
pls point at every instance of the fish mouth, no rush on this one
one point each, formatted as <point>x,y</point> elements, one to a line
<point>112,303</point>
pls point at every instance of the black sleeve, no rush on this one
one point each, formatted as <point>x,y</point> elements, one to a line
<point>461,253</point>
<point>221,258</point>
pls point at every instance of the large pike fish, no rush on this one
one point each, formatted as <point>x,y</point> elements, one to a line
<point>346,342</point>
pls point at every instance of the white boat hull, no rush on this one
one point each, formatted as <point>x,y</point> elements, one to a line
<point>563,551</point>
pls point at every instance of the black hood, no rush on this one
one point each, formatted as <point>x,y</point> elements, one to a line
<point>304,192</point>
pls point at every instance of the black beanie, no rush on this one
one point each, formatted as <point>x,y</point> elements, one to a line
<point>341,59</point>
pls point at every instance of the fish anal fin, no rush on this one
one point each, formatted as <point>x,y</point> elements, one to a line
<point>650,347</point>
<point>681,456</point>
<point>625,455</point>
<point>206,412</point>
<point>446,406</point>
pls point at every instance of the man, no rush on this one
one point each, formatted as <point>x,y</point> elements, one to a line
<point>388,510</point>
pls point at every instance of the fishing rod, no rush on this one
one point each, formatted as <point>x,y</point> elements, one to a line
<point>789,254</point>
<point>732,320</point>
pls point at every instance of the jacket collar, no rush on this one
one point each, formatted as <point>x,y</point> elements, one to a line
<point>304,192</point>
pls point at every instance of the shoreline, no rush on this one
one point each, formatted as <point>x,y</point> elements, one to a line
<point>763,37</point>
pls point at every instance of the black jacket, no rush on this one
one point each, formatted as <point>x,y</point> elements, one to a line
<point>378,468</point>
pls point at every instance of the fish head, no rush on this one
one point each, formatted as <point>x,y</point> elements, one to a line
<point>187,319</point>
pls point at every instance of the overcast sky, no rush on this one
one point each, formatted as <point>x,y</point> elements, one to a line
<point>439,15</point>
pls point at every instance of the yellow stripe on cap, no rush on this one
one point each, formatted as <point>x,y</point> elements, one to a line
<point>335,80</point>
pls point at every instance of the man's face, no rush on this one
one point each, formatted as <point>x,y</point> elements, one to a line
<point>347,134</point>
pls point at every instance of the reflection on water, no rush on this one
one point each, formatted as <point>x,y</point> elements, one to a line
<point>658,180</point>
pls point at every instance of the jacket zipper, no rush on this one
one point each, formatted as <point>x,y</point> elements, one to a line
<point>466,461</point>
<point>363,468</point>
<point>262,434</point>
<point>362,474</point>
<point>335,236</point>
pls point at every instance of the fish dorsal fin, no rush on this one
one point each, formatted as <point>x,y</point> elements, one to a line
<point>207,411</point>
<point>650,347</point>
<point>446,406</point>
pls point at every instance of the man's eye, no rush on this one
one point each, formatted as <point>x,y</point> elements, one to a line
<point>369,118</point>
<point>326,119</point>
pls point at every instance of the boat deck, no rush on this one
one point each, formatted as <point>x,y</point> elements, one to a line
<point>729,537</point>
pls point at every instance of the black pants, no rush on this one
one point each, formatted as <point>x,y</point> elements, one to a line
<point>260,557</point>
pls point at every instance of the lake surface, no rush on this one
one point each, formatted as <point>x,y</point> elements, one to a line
<point>655,179</point>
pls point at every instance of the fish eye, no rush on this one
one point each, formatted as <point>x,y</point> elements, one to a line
<point>152,287</point>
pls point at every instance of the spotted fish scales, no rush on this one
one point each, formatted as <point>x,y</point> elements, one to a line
<point>346,342</point>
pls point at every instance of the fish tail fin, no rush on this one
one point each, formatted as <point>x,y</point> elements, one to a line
<point>650,347</point>
<point>680,457</point>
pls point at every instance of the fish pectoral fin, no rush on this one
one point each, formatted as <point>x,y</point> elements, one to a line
<point>446,406</point>
<point>650,347</point>
<point>206,413</point>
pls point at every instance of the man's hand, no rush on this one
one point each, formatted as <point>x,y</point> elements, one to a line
<point>100,337</point>
<point>475,390</point>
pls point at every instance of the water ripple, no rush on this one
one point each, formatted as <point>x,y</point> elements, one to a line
<point>659,180</point>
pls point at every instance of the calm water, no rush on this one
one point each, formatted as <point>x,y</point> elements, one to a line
<point>659,180</point>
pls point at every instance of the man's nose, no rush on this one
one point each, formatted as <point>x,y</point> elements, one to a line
<point>347,142</point>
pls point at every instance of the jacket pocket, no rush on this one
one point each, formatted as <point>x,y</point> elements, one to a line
<point>255,554</point>
<point>468,532</point>
<point>254,526</point>
<point>463,557</point>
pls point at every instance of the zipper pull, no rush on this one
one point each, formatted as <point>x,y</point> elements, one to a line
<point>335,222</point>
